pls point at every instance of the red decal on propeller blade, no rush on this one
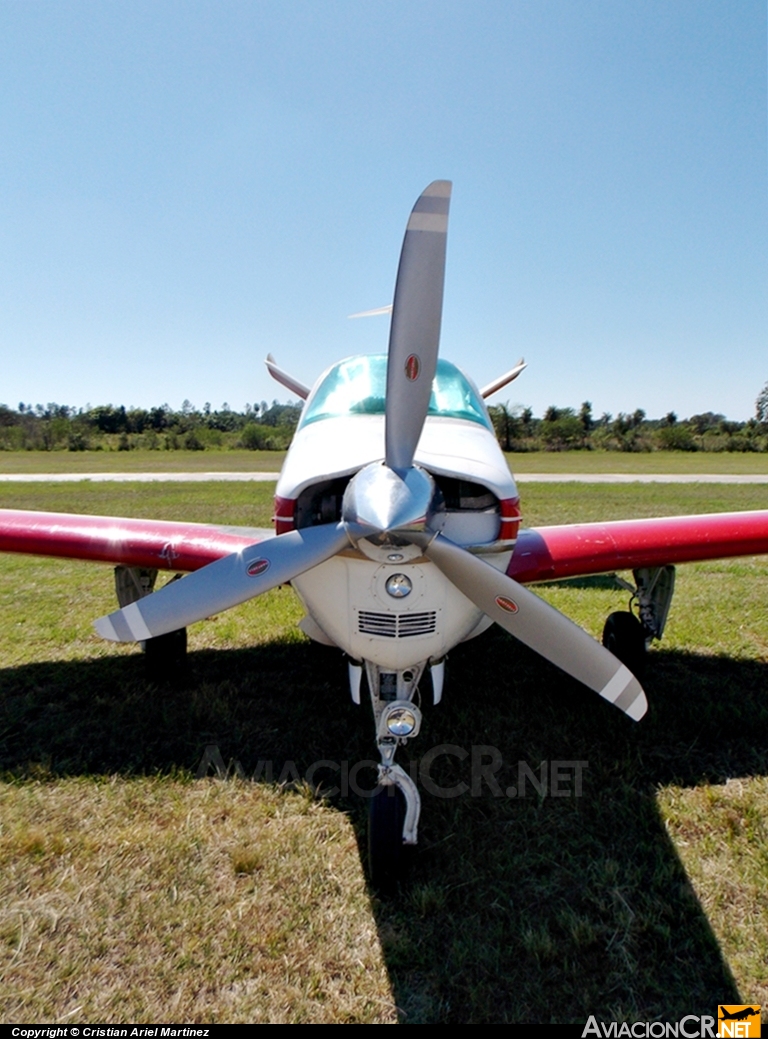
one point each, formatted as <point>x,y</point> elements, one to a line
<point>412,367</point>
<point>505,603</point>
<point>256,567</point>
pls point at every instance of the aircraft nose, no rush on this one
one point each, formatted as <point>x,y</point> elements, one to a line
<point>383,501</point>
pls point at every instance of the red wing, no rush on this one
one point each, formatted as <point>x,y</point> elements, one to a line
<point>541,554</point>
<point>551,553</point>
<point>154,544</point>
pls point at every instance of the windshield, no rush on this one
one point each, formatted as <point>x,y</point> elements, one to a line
<point>357,386</point>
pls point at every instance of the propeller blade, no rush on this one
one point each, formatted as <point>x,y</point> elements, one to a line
<point>539,626</point>
<point>414,334</point>
<point>225,583</point>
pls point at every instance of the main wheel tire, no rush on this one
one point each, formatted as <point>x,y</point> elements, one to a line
<point>624,636</point>
<point>165,656</point>
<point>386,815</point>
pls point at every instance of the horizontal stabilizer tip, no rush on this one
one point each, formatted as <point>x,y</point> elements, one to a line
<point>285,379</point>
<point>373,313</point>
<point>502,380</point>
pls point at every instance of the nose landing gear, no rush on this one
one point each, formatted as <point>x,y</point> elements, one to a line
<point>395,806</point>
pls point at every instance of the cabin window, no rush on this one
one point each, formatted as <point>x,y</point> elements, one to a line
<point>357,386</point>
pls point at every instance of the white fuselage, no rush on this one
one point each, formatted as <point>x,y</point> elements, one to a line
<point>346,598</point>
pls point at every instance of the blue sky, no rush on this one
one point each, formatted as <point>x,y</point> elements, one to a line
<point>185,187</point>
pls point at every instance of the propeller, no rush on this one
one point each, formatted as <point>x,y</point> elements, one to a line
<point>414,334</point>
<point>393,502</point>
<point>539,626</point>
<point>225,583</point>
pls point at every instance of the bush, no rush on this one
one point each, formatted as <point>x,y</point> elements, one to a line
<point>740,443</point>
<point>192,442</point>
<point>676,438</point>
<point>254,437</point>
<point>563,432</point>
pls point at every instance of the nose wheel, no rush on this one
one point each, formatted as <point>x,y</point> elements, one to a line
<point>395,805</point>
<point>386,816</point>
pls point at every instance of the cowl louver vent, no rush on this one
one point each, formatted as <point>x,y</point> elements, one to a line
<point>396,625</point>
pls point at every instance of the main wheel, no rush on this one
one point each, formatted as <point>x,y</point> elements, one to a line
<point>386,815</point>
<point>624,636</point>
<point>165,656</point>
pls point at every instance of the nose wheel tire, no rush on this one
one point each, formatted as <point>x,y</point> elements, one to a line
<point>386,815</point>
<point>624,636</point>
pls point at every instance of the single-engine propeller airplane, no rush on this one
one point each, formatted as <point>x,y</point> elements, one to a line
<point>398,524</point>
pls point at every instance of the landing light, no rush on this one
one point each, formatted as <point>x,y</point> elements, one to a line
<point>401,721</point>
<point>398,586</point>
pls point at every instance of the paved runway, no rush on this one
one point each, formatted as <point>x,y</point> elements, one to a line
<point>263,477</point>
<point>136,477</point>
<point>641,478</point>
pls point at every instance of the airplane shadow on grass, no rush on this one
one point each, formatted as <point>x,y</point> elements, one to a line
<point>530,908</point>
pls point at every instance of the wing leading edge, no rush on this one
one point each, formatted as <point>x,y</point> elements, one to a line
<point>541,554</point>
<point>580,549</point>
<point>155,544</point>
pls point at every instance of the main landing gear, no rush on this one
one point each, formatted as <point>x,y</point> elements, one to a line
<point>395,806</point>
<point>165,656</point>
<point>628,635</point>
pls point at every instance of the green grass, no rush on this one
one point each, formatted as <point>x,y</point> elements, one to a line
<point>140,461</point>
<point>544,504</point>
<point>271,461</point>
<point>139,902</point>
<point>242,504</point>
<point>736,463</point>
<point>130,891</point>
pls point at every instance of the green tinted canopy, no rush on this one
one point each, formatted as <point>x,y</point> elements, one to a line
<point>357,386</point>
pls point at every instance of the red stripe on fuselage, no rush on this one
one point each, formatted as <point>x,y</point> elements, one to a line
<point>285,514</point>
<point>510,519</point>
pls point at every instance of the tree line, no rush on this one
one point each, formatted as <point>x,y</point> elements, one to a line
<point>565,429</point>
<point>57,427</point>
<point>270,427</point>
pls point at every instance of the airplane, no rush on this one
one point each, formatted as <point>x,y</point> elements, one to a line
<point>398,523</point>
<point>738,1015</point>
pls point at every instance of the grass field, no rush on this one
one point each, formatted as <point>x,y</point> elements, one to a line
<point>140,461</point>
<point>132,892</point>
<point>271,461</point>
<point>626,462</point>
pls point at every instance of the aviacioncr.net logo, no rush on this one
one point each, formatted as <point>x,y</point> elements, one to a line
<point>738,1020</point>
<point>689,1026</point>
